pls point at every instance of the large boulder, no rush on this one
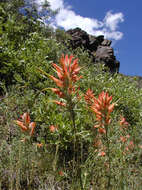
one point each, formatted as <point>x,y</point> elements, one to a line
<point>98,48</point>
<point>105,54</point>
<point>78,38</point>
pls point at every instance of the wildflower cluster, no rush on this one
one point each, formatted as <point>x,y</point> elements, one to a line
<point>102,107</point>
<point>125,138</point>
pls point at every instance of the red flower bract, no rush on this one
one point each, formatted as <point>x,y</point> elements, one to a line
<point>101,153</point>
<point>59,103</point>
<point>89,96</point>
<point>53,128</point>
<point>26,125</point>
<point>102,107</point>
<point>67,75</point>
<point>123,122</point>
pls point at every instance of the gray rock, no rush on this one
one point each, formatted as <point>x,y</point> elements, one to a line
<point>105,54</point>
<point>106,42</point>
<point>98,48</point>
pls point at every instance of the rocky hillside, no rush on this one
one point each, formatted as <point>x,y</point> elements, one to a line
<point>99,48</point>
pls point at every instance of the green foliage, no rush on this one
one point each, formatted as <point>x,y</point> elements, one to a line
<point>23,42</point>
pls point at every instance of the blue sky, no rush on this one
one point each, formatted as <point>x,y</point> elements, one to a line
<point>117,20</point>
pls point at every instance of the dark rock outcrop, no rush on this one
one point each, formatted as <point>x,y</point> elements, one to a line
<point>98,48</point>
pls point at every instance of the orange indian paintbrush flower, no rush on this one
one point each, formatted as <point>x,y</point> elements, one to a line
<point>102,153</point>
<point>67,75</point>
<point>102,107</point>
<point>26,125</point>
<point>59,103</point>
<point>89,96</point>
<point>123,122</point>
<point>58,92</point>
<point>39,145</point>
<point>53,128</point>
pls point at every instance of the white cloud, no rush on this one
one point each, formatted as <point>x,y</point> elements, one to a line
<point>56,4</point>
<point>112,20</point>
<point>116,35</point>
<point>68,19</point>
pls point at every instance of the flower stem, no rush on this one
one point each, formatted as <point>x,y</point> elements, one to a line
<point>109,159</point>
<point>75,153</point>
